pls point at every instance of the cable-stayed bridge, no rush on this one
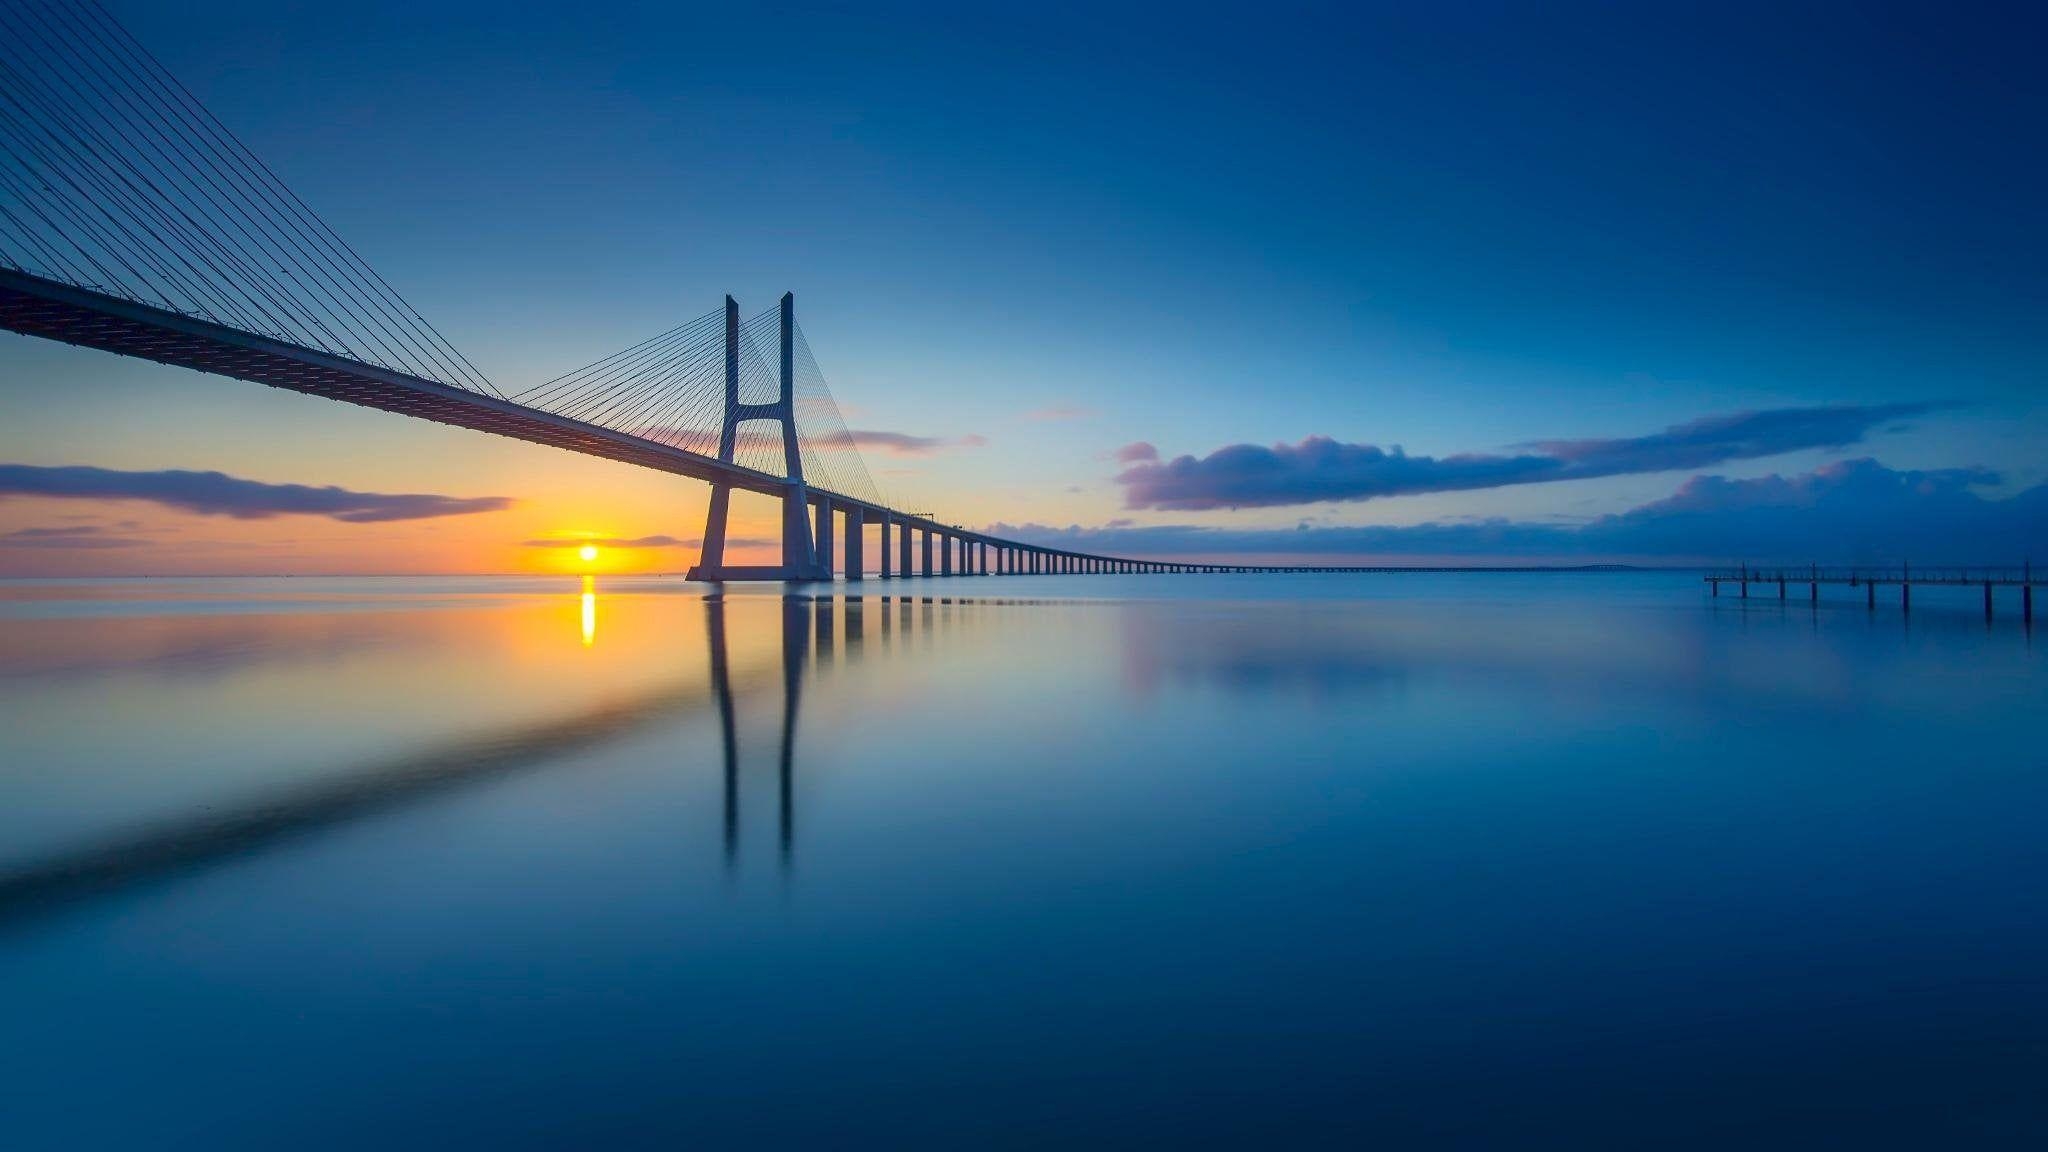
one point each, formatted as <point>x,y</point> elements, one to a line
<point>133,221</point>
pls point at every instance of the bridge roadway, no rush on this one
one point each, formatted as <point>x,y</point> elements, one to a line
<point>35,306</point>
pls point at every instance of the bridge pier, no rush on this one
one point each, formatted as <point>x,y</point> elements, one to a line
<point>883,570</point>
<point>904,569</point>
<point>824,535</point>
<point>928,569</point>
<point>856,543</point>
<point>945,555</point>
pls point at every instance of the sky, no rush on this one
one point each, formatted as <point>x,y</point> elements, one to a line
<point>1649,283</point>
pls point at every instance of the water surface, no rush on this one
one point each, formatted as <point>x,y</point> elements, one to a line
<point>1481,861</point>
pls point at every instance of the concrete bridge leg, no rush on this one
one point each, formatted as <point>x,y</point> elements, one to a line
<point>711,555</point>
<point>884,536</point>
<point>928,552</point>
<point>946,555</point>
<point>903,566</point>
<point>824,533</point>
<point>799,555</point>
<point>856,543</point>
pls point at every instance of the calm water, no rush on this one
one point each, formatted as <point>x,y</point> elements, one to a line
<point>1480,861</point>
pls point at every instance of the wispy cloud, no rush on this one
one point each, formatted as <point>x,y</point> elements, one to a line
<point>628,542</point>
<point>1320,469</point>
<point>75,536</point>
<point>905,444</point>
<point>1846,511</point>
<point>218,494</point>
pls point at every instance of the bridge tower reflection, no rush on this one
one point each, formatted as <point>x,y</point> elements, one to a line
<point>797,624</point>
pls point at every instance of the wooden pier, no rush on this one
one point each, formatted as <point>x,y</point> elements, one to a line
<point>1870,579</point>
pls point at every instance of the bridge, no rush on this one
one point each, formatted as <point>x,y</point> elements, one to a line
<point>134,222</point>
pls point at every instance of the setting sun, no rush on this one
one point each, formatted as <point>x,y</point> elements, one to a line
<point>588,552</point>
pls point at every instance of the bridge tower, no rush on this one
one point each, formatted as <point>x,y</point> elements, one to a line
<point>800,559</point>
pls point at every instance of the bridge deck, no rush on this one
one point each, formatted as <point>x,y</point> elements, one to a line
<point>37,307</point>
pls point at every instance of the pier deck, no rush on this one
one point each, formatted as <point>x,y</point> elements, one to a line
<point>1870,579</point>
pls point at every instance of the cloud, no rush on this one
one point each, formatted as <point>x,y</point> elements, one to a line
<point>1138,452</point>
<point>613,542</point>
<point>218,494</point>
<point>904,444</point>
<point>1323,469</point>
<point>79,536</point>
<point>1846,511</point>
<point>1061,412</point>
<point>641,542</point>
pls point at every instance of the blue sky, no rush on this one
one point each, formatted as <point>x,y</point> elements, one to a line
<point>1457,229</point>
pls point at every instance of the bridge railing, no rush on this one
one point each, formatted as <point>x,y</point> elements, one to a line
<point>1879,574</point>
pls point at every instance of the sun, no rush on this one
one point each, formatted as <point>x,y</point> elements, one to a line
<point>588,552</point>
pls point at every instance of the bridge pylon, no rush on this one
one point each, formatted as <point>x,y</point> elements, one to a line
<point>800,560</point>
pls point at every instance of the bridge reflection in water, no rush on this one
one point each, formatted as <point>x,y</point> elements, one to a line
<point>816,635</point>
<point>812,627</point>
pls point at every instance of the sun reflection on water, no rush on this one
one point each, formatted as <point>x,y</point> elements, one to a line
<point>589,611</point>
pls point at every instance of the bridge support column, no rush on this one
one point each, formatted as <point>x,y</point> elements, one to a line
<point>824,533</point>
<point>711,556</point>
<point>903,565</point>
<point>884,537</point>
<point>945,555</point>
<point>856,543</point>
<point>799,549</point>
<point>928,570</point>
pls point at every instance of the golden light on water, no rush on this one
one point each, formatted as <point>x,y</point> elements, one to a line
<point>589,606</point>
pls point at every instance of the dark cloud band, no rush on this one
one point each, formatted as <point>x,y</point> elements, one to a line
<point>1847,511</point>
<point>1321,469</point>
<point>218,494</point>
